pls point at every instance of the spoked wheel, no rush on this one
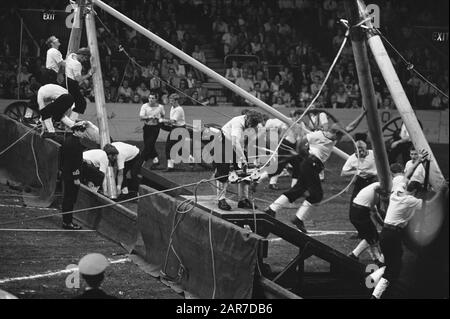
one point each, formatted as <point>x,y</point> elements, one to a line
<point>391,130</point>
<point>318,119</point>
<point>17,111</point>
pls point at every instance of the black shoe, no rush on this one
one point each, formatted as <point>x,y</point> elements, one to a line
<point>270,212</point>
<point>223,205</point>
<point>246,204</point>
<point>299,224</point>
<point>71,226</point>
<point>352,256</point>
<point>273,187</point>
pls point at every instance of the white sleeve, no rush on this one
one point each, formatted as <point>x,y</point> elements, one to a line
<point>40,100</point>
<point>142,112</point>
<point>120,162</point>
<point>349,165</point>
<point>58,57</point>
<point>104,164</point>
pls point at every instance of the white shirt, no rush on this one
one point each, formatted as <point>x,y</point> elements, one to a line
<point>366,165</point>
<point>73,67</point>
<point>53,58</point>
<point>399,182</point>
<point>48,93</point>
<point>98,158</point>
<point>367,196</point>
<point>148,111</point>
<point>126,153</point>
<point>234,128</point>
<point>320,146</point>
<point>419,173</point>
<point>401,208</point>
<point>177,115</point>
<point>319,121</point>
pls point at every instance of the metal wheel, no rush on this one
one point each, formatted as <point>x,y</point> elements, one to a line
<point>17,111</point>
<point>312,121</point>
<point>391,130</point>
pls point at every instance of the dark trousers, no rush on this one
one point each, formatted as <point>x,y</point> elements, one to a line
<point>151,133</point>
<point>70,194</point>
<point>360,219</point>
<point>49,77</point>
<point>391,247</point>
<point>309,180</point>
<point>401,149</point>
<point>285,157</point>
<point>57,108</point>
<point>360,183</point>
<point>223,165</point>
<point>74,89</point>
<point>134,167</point>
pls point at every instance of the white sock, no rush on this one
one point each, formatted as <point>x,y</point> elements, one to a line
<point>304,210</point>
<point>191,159</point>
<point>28,113</point>
<point>273,180</point>
<point>170,163</point>
<point>243,191</point>
<point>74,116</point>
<point>221,190</point>
<point>49,125</point>
<point>293,182</point>
<point>279,203</point>
<point>381,287</point>
<point>362,246</point>
<point>125,190</point>
<point>67,121</point>
<point>155,160</point>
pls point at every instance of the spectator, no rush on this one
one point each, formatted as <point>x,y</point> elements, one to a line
<point>125,92</point>
<point>173,80</point>
<point>164,69</point>
<point>143,91</point>
<point>24,75</point>
<point>233,73</point>
<point>275,84</point>
<point>279,103</point>
<point>259,78</point>
<point>190,80</point>
<point>180,70</point>
<point>342,98</point>
<point>155,82</point>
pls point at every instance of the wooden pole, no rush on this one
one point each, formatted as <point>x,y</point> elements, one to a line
<point>401,101</point>
<point>99,94</point>
<point>77,29</point>
<point>198,65</point>
<point>368,95</point>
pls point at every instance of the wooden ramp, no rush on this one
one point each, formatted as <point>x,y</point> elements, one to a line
<point>343,270</point>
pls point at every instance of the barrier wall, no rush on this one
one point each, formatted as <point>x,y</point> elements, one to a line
<point>19,165</point>
<point>125,125</point>
<point>234,249</point>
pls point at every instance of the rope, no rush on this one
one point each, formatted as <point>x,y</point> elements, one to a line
<point>18,140</point>
<point>106,205</point>
<point>134,62</point>
<point>409,65</point>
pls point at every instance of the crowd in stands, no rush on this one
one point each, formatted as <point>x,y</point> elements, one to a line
<point>290,44</point>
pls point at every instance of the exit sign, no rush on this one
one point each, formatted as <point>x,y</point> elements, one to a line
<point>48,16</point>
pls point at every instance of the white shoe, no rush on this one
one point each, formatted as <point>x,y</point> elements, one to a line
<point>156,161</point>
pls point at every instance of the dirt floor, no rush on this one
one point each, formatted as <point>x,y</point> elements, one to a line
<point>25,254</point>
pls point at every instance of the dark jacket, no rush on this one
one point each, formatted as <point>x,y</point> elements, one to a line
<point>71,158</point>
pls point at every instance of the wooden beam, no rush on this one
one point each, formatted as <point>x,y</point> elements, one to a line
<point>368,95</point>
<point>99,93</point>
<point>401,101</point>
<point>77,29</point>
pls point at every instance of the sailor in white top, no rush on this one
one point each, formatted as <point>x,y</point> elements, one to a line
<point>419,172</point>
<point>362,206</point>
<point>177,120</point>
<point>99,159</point>
<point>74,78</point>
<point>55,104</point>
<point>233,135</point>
<point>321,144</point>
<point>151,114</point>
<point>363,164</point>
<point>127,158</point>
<point>54,62</point>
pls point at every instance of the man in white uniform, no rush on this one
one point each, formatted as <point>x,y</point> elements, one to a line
<point>74,78</point>
<point>54,62</point>
<point>419,172</point>
<point>177,120</point>
<point>361,208</point>
<point>98,159</point>
<point>233,133</point>
<point>55,104</point>
<point>151,114</point>
<point>127,158</point>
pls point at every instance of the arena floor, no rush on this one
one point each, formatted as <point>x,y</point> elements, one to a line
<point>32,261</point>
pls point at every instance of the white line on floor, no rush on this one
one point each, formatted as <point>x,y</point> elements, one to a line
<point>55,273</point>
<point>29,207</point>
<point>48,230</point>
